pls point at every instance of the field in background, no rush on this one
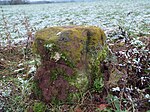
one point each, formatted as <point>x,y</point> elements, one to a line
<point>132,15</point>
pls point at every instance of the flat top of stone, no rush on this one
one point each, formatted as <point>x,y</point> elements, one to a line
<point>53,33</point>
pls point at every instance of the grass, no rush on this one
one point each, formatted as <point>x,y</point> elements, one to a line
<point>127,27</point>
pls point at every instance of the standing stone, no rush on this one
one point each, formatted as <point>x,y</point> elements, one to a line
<point>70,58</point>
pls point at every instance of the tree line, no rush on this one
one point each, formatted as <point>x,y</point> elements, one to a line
<point>14,2</point>
<point>18,1</point>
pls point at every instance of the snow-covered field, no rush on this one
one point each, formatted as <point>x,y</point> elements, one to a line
<point>129,56</point>
<point>132,15</point>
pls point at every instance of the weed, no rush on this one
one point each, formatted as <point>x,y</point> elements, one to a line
<point>39,107</point>
<point>98,84</point>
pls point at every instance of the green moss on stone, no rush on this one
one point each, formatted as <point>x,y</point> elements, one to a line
<point>94,68</point>
<point>69,39</point>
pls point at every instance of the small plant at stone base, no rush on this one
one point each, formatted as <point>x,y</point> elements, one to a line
<point>98,84</point>
<point>39,107</point>
<point>115,102</point>
<point>37,92</point>
<point>97,76</point>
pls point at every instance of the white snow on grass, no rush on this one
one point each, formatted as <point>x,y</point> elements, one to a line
<point>132,15</point>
